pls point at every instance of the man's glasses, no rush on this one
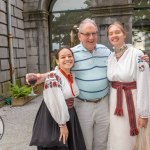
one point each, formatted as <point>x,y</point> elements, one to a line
<point>89,34</point>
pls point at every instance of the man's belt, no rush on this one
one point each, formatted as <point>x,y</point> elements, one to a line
<point>92,100</point>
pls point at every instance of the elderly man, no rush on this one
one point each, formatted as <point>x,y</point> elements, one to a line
<point>90,71</point>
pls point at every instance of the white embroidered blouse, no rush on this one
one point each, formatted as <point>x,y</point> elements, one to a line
<point>56,91</point>
<point>130,67</point>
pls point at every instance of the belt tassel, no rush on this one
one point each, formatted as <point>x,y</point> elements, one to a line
<point>119,109</point>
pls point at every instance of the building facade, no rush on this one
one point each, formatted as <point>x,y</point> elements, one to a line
<point>30,31</point>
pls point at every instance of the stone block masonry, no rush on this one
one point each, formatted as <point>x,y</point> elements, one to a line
<point>18,38</point>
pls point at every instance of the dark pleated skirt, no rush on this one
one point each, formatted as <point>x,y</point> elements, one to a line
<point>46,132</point>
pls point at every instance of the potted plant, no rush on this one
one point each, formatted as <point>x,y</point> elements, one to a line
<point>20,94</point>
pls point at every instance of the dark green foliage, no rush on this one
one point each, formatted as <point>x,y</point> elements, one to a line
<point>17,92</point>
<point>63,24</point>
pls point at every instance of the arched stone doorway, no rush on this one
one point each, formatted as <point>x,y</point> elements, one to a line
<point>37,34</point>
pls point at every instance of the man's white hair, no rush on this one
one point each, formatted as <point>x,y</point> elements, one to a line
<point>85,21</point>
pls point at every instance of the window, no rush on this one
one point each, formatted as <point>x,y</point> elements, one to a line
<point>141,25</point>
<point>64,23</point>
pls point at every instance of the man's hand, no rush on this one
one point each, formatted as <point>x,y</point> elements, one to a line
<point>142,122</point>
<point>145,58</point>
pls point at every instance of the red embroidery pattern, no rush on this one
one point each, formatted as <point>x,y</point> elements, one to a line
<point>45,86</point>
<point>51,75</point>
<point>141,65</point>
<point>54,84</point>
<point>141,68</point>
<point>55,81</point>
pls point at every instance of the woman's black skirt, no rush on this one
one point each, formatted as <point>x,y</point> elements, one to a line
<point>46,132</point>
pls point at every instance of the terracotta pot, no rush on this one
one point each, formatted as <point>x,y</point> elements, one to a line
<point>20,101</point>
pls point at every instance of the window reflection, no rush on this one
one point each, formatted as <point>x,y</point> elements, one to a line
<point>64,23</point>
<point>141,25</point>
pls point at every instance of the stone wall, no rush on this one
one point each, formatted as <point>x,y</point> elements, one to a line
<point>37,40</point>
<point>37,35</point>
<point>30,40</point>
<point>18,41</point>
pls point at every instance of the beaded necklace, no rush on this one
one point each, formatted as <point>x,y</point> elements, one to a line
<point>120,51</point>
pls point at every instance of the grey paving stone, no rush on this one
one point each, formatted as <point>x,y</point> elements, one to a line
<point>18,125</point>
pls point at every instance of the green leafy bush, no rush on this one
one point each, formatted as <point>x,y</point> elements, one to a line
<point>17,92</point>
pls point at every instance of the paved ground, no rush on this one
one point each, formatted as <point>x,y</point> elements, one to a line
<point>18,125</point>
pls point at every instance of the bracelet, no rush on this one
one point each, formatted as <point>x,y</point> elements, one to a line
<point>62,125</point>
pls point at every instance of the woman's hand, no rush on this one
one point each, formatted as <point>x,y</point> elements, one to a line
<point>39,77</point>
<point>142,122</point>
<point>63,134</point>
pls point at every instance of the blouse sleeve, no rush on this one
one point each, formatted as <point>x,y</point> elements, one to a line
<point>54,99</point>
<point>143,87</point>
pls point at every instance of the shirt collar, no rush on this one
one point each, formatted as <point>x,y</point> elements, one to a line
<point>83,48</point>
